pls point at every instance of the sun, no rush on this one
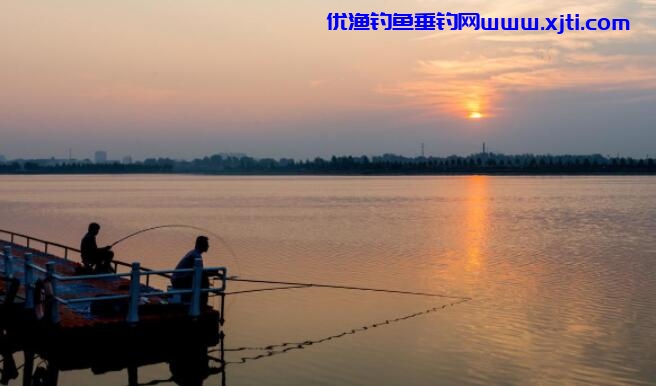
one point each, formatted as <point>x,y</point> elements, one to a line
<point>475,115</point>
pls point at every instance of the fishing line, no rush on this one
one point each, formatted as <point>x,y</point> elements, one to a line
<point>281,348</point>
<point>276,349</point>
<point>266,289</point>
<point>336,286</point>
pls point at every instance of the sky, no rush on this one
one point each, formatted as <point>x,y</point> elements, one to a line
<point>187,79</point>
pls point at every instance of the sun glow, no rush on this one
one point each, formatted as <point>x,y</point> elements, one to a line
<point>476,102</point>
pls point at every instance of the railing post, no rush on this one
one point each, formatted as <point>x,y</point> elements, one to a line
<point>9,262</point>
<point>133,310</point>
<point>29,281</point>
<point>222,320</point>
<point>194,308</point>
<point>54,305</point>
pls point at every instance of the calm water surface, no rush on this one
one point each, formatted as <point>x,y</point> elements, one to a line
<point>561,271</point>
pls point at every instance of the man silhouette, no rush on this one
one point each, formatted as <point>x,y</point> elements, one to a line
<point>184,280</point>
<point>95,260</point>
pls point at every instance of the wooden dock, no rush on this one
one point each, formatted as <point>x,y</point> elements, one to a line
<point>103,322</point>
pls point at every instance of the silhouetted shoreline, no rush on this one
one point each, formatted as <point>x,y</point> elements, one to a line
<point>387,164</point>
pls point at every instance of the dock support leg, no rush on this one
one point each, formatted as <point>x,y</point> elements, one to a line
<point>223,369</point>
<point>222,350</point>
<point>133,375</point>
<point>28,368</point>
<point>53,375</point>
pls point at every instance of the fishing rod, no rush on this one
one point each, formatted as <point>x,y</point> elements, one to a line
<point>346,287</point>
<point>231,252</point>
<point>156,227</point>
<point>293,284</point>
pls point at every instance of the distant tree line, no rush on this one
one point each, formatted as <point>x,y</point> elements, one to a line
<point>480,163</point>
<point>32,167</point>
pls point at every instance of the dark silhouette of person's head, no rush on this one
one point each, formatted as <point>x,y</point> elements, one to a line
<point>94,228</point>
<point>202,244</point>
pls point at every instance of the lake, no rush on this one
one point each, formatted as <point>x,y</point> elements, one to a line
<point>555,275</point>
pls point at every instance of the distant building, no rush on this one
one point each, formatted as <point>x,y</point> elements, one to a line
<point>101,157</point>
<point>2,159</point>
<point>127,160</point>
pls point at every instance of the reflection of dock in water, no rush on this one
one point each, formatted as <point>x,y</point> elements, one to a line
<point>105,322</point>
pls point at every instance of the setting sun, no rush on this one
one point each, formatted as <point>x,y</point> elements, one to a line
<point>475,115</point>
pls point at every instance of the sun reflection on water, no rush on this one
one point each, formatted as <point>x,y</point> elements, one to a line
<point>476,222</point>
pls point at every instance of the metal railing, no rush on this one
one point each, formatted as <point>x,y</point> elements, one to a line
<point>135,275</point>
<point>67,250</point>
<point>29,241</point>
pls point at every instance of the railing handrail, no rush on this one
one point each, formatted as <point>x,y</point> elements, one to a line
<point>146,272</point>
<point>46,243</point>
<point>66,248</point>
<point>11,233</point>
<point>135,289</point>
<point>143,294</point>
<point>135,279</point>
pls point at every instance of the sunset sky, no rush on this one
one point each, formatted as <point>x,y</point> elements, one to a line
<point>189,78</point>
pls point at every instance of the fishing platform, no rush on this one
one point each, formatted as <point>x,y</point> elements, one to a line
<point>106,322</point>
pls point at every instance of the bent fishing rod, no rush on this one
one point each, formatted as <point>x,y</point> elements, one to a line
<point>156,227</point>
<point>293,284</point>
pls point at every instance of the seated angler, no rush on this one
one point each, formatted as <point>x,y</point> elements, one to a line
<point>95,260</point>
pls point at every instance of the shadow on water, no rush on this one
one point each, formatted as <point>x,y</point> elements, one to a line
<point>189,363</point>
